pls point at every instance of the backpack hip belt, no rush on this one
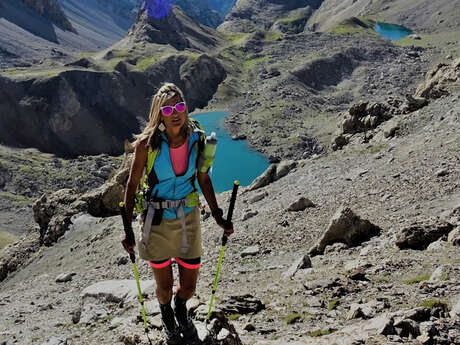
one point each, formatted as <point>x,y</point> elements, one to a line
<point>161,205</point>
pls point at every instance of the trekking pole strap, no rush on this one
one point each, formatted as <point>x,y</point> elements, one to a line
<point>129,233</point>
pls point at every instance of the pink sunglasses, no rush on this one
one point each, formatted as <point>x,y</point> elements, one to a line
<point>169,109</point>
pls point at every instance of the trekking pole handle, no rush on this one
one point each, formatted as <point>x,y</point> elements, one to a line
<point>128,230</point>
<point>236,184</point>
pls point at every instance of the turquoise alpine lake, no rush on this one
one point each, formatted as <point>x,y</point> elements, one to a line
<point>392,31</point>
<point>234,160</point>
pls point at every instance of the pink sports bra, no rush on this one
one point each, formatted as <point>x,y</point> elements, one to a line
<point>179,158</point>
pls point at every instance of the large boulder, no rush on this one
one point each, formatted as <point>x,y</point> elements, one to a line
<point>273,173</point>
<point>348,228</point>
<point>440,80</point>
<point>420,235</point>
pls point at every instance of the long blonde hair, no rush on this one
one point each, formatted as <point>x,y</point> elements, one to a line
<point>151,131</point>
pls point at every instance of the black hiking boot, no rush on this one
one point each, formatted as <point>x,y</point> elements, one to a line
<point>186,326</point>
<point>172,336</point>
<point>172,331</point>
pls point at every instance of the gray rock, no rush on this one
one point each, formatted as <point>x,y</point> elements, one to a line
<point>265,179</point>
<point>415,103</point>
<point>242,304</point>
<point>439,80</point>
<point>360,311</point>
<point>414,37</point>
<point>273,173</point>
<point>249,214</point>
<point>427,331</point>
<point>301,263</point>
<point>442,172</point>
<point>390,128</point>
<point>283,168</point>
<point>455,311</point>
<point>250,251</point>
<point>65,277</point>
<point>420,235</point>
<point>438,273</point>
<point>300,205</point>
<point>348,228</point>
<point>118,290</point>
<point>335,248</point>
<point>437,245</point>
<point>93,312</point>
<point>407,327</point>
<point>56,341</point>
<point>356,264</point>
<point>382,325</point>
<point>454,236</point>
<point>315,284</point>
<point>257,197</point>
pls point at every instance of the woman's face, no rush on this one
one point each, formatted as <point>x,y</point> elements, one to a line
<point>176,120</point>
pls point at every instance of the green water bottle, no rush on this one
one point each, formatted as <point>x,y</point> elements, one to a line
<point>209,152</point>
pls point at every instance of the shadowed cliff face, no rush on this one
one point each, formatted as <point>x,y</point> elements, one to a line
<point>84,112</point>
<point>50,9</point>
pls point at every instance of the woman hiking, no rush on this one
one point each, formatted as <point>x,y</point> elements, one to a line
<point>171,222</point>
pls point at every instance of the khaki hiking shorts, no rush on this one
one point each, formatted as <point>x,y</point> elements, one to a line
<point>165,239</point>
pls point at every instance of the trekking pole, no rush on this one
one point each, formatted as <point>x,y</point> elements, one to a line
<point>222,248</point>
<point>130,235</point>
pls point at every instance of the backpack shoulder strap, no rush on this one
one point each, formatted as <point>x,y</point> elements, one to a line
<point>152,178</point>
<point>197,127</point>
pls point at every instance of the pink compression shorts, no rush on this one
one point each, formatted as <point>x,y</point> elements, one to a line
<point>191,264</point>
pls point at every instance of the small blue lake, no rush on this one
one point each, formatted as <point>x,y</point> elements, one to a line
<point>392,31</point>
<point>234,159</point>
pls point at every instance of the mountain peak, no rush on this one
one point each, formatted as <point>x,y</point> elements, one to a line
<point>176,29</point>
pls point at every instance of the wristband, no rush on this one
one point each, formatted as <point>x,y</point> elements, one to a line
<point>217,213</point>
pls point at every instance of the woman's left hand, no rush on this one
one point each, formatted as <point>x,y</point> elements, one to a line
<point>227,226</point>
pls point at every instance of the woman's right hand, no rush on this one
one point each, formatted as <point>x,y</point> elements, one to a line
<point>128,243</point>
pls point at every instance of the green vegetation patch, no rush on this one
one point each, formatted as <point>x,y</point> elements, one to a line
<point>291,19</point>
<point>320,332</point>
<point>373,149</point>
<point>252,62</point>
<point>271,36</point>
<point>5,239</point>
<point>234,317</point>
<point>236,38</point>
<point>15,200</point>
<point>435,303</point>
<point>333,304</point>
<point>354,25</point>
<point>293,318</point>
<point>418,279</point>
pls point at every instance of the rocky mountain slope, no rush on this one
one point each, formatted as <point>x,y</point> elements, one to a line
<point>421,16</point>
<point>251,15</point>
<point>108,97</point>
<point>359,245</point>
<point>61,31</point>
<point>42,37</point>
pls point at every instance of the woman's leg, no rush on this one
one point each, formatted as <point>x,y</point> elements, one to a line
<point>185,290</point>
<point>165,280</point>
<point>187,282</point>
